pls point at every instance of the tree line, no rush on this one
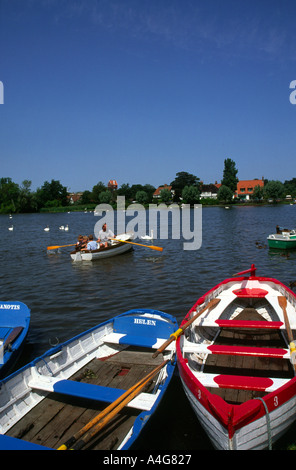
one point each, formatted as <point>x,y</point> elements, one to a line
<point>185,187</point>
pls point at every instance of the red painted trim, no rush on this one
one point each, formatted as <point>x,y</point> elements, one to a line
<point>247,351</point>
<point>243,293</point>
<point>243,383</point>
<point>273,325</point>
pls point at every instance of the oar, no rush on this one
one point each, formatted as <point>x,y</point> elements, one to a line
<point>109,412</point>
<point>283,304</point>
<point>158,248</point>
<point>212,304</point>
<point>59,246</point>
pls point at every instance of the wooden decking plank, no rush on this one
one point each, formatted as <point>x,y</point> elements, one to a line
<point>58,417</point>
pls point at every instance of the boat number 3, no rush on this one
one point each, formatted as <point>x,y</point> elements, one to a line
<point>276,401</point>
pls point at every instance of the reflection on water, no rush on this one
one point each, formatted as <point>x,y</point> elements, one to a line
<point>67,297</point>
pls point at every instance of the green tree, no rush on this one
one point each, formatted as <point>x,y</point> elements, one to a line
<point>26,201</point>
<point>165,195</point>
<point>105,197</point>
<point>149,189</point>
<point>274,190</point>
<point>86,197</point>
<point>190,195</point>
<point>125,190</point>
<point>224,194</point>
<point>290,187</point>
<point>53,191</point>
<point>230,175</point>
<point>97,190</point>
<point>258,193</point>
<point>183,179</point>
<point>141,197</point>
<point>9,195</point>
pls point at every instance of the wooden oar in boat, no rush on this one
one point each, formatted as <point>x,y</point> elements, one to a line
<point>152,247</point>
<point>55,247</point>
<point>212,304</point>
<point>283,304</point>
<point>12,337</point>
<point>109,412</point>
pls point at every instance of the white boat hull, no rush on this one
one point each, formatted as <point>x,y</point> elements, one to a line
<point>258,435</point>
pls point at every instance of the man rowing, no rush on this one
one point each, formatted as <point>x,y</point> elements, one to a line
<point>105,236</point>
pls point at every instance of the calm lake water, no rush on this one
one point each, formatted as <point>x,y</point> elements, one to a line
<point>66,297</point>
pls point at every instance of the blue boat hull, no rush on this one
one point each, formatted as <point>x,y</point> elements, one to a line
<point>14,327</point>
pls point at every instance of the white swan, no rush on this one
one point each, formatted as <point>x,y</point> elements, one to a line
<point>10,228</point>
<point>147,237</point>
<point>62,227</point>
<point>46,229</point>
<point>67,227</point>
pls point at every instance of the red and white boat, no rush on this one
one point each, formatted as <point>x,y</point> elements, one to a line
<point>236,361</point>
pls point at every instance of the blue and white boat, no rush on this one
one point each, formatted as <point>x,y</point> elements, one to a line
<point>14,326</point>
<point>95,391</point>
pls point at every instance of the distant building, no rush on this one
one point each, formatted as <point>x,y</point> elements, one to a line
<point>112,185</point>
<point>160,188</point>
<point>209,190</point>
<point>245,188</point>
<point>74,197</point>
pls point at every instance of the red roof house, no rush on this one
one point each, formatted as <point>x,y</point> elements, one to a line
<point>112,184</point>
<point>245,188</point>
<point>160,188</point>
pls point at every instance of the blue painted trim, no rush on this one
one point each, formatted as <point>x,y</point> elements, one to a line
<point>12,443</point>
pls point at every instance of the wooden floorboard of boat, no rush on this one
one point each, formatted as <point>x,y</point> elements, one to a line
<point>58,417</point>
<point>247,365</point>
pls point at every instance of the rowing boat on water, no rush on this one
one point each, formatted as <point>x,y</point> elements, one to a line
<point>14,326</point>
<point>236,361</point>
<point>47,403</point>
<point>115,248</point>
<point>286,240</point>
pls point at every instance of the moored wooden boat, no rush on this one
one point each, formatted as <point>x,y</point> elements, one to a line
<point>115,248</point>
<point>109,367</point>
<point>283,241</point>
<point>236,361</point>
<point>14,326</point>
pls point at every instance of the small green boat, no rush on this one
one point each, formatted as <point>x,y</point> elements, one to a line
<point>282,241</point>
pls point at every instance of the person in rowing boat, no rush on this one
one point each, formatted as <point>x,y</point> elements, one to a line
<point>105,236</point>
<point>81,243</point>
<point>91,245</point>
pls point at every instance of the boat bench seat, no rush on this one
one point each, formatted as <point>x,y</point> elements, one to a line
<point>273,325</point>
<point>190,347</point>
<point>135,330</point>
<point>250,293</point>
<point>260,384</point>
<point>141,341</point>
<point>89,391</point>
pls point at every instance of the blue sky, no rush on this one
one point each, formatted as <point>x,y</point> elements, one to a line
<point>138,90</point>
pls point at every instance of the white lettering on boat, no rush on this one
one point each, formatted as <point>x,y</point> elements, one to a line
<point>9,307</point>
<point>144,321</point>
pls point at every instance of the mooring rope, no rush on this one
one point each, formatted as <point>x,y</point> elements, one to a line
<point>267,422</point>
